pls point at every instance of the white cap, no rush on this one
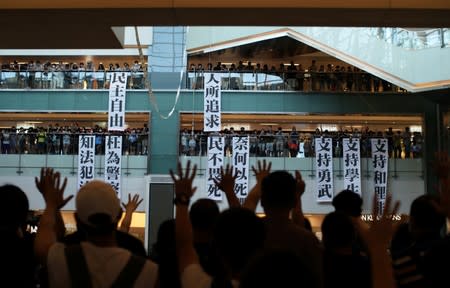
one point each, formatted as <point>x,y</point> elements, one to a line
<point>97,197</point>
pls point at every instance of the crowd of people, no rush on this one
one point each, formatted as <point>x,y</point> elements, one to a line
<point>90,75</point>
<point>61,75</point>
<point>63,140</point>
<point>323,77</point>
<point>204,247</point>
<point>268,142</point>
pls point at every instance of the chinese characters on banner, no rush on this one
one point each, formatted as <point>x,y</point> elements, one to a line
<point>86,159</point>
<point>116,110</point>
<point>212,102</point>
<point>352,164</point>
<point>380,158</point>
<point>241,151</point>
<point>113,161</point>
<point>215,161</point>
<point>324,169</point>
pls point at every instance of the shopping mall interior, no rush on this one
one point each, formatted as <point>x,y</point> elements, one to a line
<point>315,72</point>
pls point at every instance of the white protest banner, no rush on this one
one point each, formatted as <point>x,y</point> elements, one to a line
<point>86,159</point>
<point>215,162</point>
<point>380,158</point>
<point>241,158</point>
<point>113,162</point>
<point>212,102</point>
<point>116,104</point>
<point>352,164</point>
<point>324,169</point>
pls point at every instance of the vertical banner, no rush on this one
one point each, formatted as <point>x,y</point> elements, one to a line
<point>241,158</point>
<point>116,107</point>
<point>212,102</point>
<point>380,159</point>
<point>324,169</point>
<point>352,164</point>
<point>113,161</point>
<point>215,162</point>
<point>86,159</point>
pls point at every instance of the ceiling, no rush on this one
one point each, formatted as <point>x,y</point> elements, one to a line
<point>86,24</point>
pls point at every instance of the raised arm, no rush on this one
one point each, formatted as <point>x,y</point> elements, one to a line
<point>377,238</point>
<point>297,213</point>
<point>183,227</point>
<point>129,207</point>
<point>226,184</point>
<point>251,202</point>
<point>49,225</point>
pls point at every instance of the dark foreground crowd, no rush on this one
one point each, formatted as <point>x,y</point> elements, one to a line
<point>205,247</point>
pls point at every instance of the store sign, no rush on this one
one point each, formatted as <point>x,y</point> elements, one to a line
<point>241,159</point>
<point>116,109</point>
<point>370,217</point>
<point>215,162</point>
<point>212,102</point>
<point>380,159</point>
<point>113,162</point>
<point>86,159</point>
<point>324,169</point>
<point>352,164</point>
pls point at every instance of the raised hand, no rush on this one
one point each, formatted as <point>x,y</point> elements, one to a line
<point>262,171</point>
<point>226,184</point>
<point>227,180</point>
<point>183,183</point>
<point>300,184</point>
<point>49,184</point>
<point>380,232</point>
<point>132,204</point>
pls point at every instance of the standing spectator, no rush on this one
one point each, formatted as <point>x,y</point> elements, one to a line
<point>136,75</point>
<point>281,194</point>
<point>406,137</point>
<point>397,144</point>
<point>97,213</point>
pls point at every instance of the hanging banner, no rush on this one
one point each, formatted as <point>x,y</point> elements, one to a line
<point>113,161</point>
<point>324,169</point>
<point>241,158</point>
<point>215,162</point>
<point>86,159</point>
<point>116,110</point>
<point>352,164</point>
<point>380,159</point>
<point>212,102</point>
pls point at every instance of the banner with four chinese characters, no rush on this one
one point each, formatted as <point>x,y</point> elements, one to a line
<point>86,159</point>
<point>324,169</point>
<point>116,104</point>
<point>113,161</point>
<point>240,162</point>
<point>212,102</point>
<point>352,164</point>
<point>380,159</point>
<point>215,151</point>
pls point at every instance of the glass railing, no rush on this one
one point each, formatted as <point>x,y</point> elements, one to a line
<point>336,81</point>
<point>300,147</point>
<point>413,38</point>
<point>65,79</point>
<point>66,143</point>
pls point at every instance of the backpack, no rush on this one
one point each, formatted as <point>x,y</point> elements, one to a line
<point>79,274</point>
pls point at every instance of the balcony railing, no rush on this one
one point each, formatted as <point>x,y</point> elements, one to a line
<point>336,81</point>
<point>65,79</point>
